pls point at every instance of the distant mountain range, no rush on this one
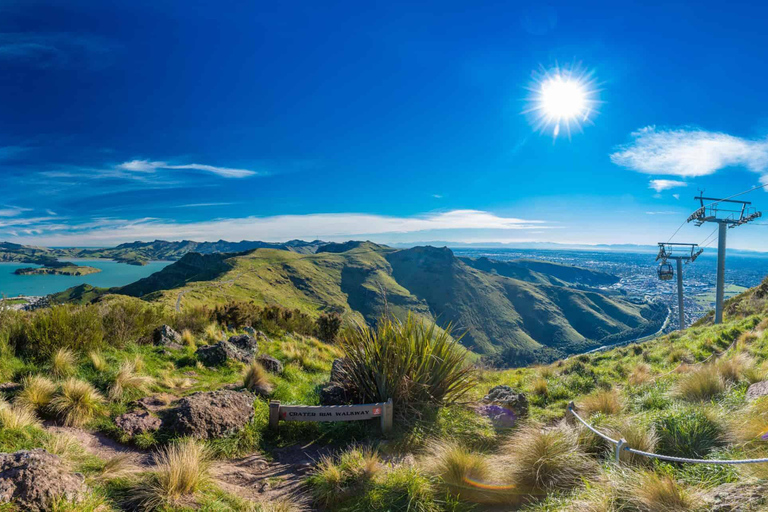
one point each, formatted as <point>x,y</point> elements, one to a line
<point>513,312</point>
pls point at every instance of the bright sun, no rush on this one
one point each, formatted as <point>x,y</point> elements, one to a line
<point>562,99</point>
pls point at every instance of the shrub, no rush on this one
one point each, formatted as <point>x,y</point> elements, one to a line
<point>328,326</point>
<point>546,459</point>
<point>77,402</point>
<point>127,379</point>
<point>410,362</point>
<point>182,469</point>
<point>46,330</point>
<point>464,473</point>
<point>63,363</point>
<point>16,416</point>
<point>701,384</point>
<point>128,319</point>
<point>256,379</point>
<point>606,402</point>
<point>688,432</point>
<point>37,392</point>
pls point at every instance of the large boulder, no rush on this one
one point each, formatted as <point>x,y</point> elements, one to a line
<point>334,394</point>
<point>208,415</point>
<point>247,344</point>
<point>165,336</point>
<point>221,352</point>
<point>35,479</point>
<point>737,497</point>
<point>509,399</point>
<point>138,422</point>
<point>757,390</point>
<point>270,364</point>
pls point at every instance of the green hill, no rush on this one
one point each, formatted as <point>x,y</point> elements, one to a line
<point>511,319</point>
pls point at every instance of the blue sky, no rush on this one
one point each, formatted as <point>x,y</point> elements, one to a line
<point>391,121</point>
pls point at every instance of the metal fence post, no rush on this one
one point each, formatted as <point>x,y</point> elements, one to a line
<point>274,414</point>
<point>569,419</point>
<point>387,417</point>
<point>619,447</point>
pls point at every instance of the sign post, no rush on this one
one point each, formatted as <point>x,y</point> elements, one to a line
<point>383,411</point>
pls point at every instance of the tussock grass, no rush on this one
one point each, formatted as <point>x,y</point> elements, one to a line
<point>734,368</point>
<point>98,361</point>
<point>337,478</point>
<point>183,468</point>
<point>411,362</point>
<point>638,436</point>
<point>77,402</point>
<point>640,375</point>
<point>751,423</point>
<point>603,401</point>
<point>37,392</point>
<point>212,333</point>
<point>539,458</point>
<point>688,432</point>
<point>16,416</point>
<point>540,387</point>
<point>188,338</point>
<point>468,475</point>
<point>127,379</point>
<point>63,363</point>
<point>256,379</point>
<point>649,491</point>
<point>703,383</point>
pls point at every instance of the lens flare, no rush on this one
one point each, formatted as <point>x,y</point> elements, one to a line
<point>562,99</point>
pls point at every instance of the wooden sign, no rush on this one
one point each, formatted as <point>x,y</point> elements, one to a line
<point>383,411</point>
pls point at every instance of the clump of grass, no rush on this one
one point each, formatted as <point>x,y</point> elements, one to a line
<point>704,383</point>
<point>212,333</point>
<point>256,379</point>
<point>539,387</point>
<point>16,416</point>
<point>77,402</point>
<point>63,363</point>
<point>98,361</point>
<point>127,379</point>
<point>640,375</point>
<point>463,472</point>
<point>732,369</point>
<point>647,490</point>
<point>639,436</point>
<point>138,363</point>
<point>337,478</point>
<point>182,469</point>
<point>603,401</point>
<point>188,338</point>
<point>37,392</point>
<point>751,423</point>
<point>546,459</point>
<point>411,362</point>
<point>688,432</point>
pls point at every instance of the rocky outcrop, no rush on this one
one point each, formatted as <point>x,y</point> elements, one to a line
<point>209,415</point>
<point>138,422</point>
<point>509,399</point>
<point>241,348</point>
<point>757,390</point>
<point>247,344</point>
<point>334,394</point>
<point>737,497</point>
<point>270,364</point>
<point>35,479</point>
<point>165,336</point>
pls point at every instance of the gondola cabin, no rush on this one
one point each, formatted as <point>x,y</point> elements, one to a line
<point>665,271</point>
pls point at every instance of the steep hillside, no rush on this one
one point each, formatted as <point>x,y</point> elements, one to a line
<point>512,319</point>
<point>543,272</point>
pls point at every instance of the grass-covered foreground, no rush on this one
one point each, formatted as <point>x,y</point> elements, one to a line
<point>684,394</point>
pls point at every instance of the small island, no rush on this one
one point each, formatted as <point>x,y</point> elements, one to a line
<point>66,270</point>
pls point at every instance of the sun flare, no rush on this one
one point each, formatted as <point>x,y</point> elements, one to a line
<point>562,100</point>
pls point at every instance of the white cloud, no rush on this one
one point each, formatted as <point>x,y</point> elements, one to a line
<point>662,213</point>
<point>147,166</point>
<point>659,185</point>
<point>689,152</point>
<point>331,226</point>
<point>12,211</point>
<point>676,196</point>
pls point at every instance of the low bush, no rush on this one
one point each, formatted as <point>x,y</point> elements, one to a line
<point>688,432</point>
<point>39,334</point>
<point>328,326</point>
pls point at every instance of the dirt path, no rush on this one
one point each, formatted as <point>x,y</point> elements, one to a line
<point>252,478</point>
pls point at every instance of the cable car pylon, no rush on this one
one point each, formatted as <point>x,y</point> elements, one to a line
<point>666,273</point>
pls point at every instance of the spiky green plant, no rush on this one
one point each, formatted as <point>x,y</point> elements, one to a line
<point>16,416</point>
<point>63,363</point>
<point>411,362</point>
<point>77,402</point>
<point>37,392</point>
<point>127,379</point>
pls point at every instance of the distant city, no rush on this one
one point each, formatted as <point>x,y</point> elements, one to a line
<point>637,272</point>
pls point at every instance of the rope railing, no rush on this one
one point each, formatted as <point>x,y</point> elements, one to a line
<point>622,446</point>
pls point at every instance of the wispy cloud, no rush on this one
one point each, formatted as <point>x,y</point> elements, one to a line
<point>659,185</point>
<point>202,205</point>
<point>53,50</point>
<point>676,196</point>
<point>12,211</point>
<point>662,213</point>
<point>147,166</point>
<point>281,227</point>
<point>689,152</point>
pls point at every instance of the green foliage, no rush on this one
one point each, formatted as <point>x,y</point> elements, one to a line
<point>411,362</point>
<point>126,320</point>
<point>688,432</point>
<point>328,326</point>
<point>40,334</point>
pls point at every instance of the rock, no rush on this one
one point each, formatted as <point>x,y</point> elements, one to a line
<point>509,399</point>
<point>334,394</point>
<point>245,343</point>
<point>757,390</point>
<point>34,479</point>
<point>138,422</point>
<point>155,403</point>
<point>338,370</point>
<point>208,415</point>
<point>166,337</point>
<point>736,497</point>
<point>270,364</point>
<point>220,353</point>
<point>10,387</point>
